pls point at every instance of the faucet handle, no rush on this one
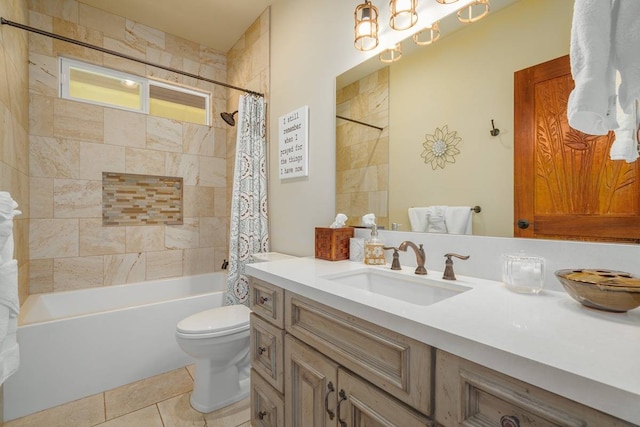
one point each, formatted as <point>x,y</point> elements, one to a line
<point>448,269</point>
<point>395,264</point>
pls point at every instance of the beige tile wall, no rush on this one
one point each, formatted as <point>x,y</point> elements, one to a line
<point>362,186</point>
<point>247,66</point>
<point>14,125</point>
<point>72,143</point>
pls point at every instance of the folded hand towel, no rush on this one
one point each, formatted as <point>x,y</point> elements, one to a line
<point>436,219</point>
<point>418,219</point>
<point>591,107</point>
<point>459,219</point>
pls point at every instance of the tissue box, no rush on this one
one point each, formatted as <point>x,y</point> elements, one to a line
<point>333,243</point>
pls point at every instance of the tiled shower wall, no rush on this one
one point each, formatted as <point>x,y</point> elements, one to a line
<point>362,182</point>
<point>14,124</point>
<point>72,143</point>
<point>248,67</point>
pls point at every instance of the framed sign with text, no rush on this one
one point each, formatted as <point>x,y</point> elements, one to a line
<point>293,133</point>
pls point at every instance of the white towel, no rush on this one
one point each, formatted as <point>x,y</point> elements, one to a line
<point>459,219</point>
<point>591,107</point>
<point>9,287</point>
<point>626,42</point>
<point>7,205</point>
<point>6,242</point>
<point>436,219</point>
<point>9,354</point>
<point>418,219</point>
<point>625,146</point>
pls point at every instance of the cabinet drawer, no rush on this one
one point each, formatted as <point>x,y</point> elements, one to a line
<point>397,364</point>
<point>267,405</point>
<point>267,351</point>
<point>472,395</point>
<point>267,300</point>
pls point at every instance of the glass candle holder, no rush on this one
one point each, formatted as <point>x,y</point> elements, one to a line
<point>523,273</point>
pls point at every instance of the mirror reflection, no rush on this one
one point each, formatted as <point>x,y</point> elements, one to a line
<point>438,108</point>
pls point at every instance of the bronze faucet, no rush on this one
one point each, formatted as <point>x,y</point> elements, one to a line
<point>448,266</point>
<point>420,255</point>
<point>395,264</point>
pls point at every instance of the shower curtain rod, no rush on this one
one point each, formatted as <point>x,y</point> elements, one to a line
<point>122,55</point>
<point>359,122</point>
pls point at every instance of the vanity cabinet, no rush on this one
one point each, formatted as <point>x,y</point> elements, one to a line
<point>472,395</point>
<point>338,370</point>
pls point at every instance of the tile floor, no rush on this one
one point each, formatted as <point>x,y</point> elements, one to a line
<point>160,401</point>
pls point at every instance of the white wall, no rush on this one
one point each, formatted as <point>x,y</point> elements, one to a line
<point>311,43</point>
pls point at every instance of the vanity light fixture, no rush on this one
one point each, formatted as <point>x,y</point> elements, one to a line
<point>391,55</point>
<point>475,11</point>
<point>403,14</point>
<point>366,26</point>
<point>446,1</point>
<point>432,32</point>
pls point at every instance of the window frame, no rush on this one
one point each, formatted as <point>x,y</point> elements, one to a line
<point>65,64</point>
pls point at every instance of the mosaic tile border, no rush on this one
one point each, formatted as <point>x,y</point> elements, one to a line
<point>131,199</point>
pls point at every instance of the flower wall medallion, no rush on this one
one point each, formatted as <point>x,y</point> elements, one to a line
<point>440,148</point>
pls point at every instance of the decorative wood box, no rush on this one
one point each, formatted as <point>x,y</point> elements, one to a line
<point>333,243</point>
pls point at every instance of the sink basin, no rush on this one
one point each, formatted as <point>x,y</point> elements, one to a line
<point>418,290</point>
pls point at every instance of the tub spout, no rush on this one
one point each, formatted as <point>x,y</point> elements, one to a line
<point>421,257</point>
<point>225,264</point>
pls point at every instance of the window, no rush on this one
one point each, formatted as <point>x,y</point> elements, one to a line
<point>84,82</point>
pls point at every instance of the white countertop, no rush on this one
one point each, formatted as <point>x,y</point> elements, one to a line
<point>548,340</point>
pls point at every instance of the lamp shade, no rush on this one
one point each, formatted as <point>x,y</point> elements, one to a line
<point>391,55</point>
<point>366,26</point>
<point>475,11</point>
<point>403,14</point>
<point>427,36</point>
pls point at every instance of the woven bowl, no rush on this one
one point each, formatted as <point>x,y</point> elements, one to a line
<point>607,290</point>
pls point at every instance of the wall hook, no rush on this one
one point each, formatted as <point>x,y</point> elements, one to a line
<point>494,131</point>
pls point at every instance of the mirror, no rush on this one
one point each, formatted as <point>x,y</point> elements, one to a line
<point>454,89</point>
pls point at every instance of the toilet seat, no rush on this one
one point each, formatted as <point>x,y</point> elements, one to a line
<point>217,322</point>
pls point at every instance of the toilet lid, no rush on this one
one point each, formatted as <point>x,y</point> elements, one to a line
<point>223,320</point>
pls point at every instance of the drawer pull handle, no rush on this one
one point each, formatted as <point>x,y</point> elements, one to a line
<point>262,414</point>
<point>330,390</point>
<point>509,421</point>
<point>261,350</point>
<point>263,300</point>
<point>343,397</point>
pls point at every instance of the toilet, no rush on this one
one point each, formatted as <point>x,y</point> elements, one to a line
<point>218,340</point>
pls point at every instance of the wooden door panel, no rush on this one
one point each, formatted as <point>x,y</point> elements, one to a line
<point>565,184</point>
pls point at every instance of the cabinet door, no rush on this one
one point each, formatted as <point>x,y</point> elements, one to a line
<point>360,404</point>
<point>310,386</point>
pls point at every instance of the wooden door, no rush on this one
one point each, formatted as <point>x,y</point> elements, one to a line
<point>566,187</point>
<point>310,386</point>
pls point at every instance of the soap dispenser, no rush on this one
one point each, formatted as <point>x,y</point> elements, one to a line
<point>374,249</point>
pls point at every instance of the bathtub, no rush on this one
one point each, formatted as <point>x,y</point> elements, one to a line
<point>77,343</point>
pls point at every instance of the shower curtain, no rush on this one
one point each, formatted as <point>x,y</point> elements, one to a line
<point>249,232</point>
